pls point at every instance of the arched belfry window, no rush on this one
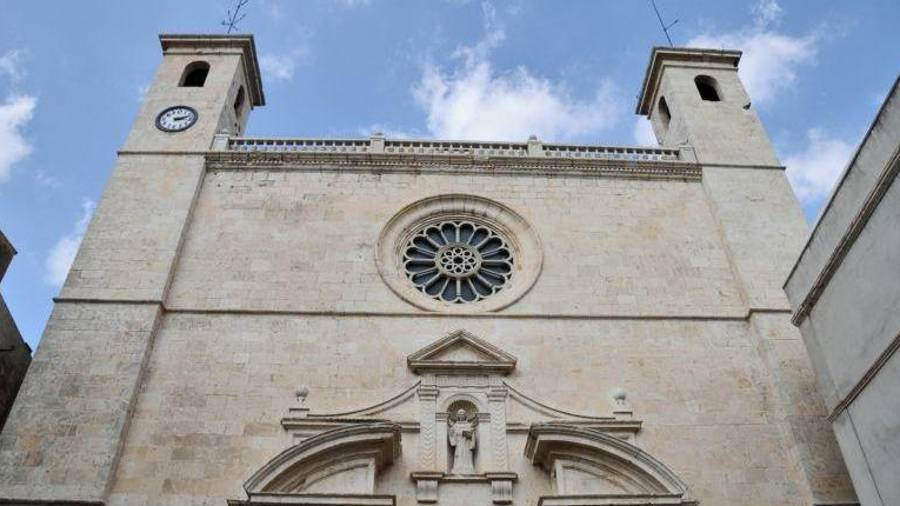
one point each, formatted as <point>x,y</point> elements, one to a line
<point>664,113</point>
<point>708,88</point>
<point>195,74</point>
<point>239,102</point>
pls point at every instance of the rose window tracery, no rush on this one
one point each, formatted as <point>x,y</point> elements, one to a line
<point>458,261</point>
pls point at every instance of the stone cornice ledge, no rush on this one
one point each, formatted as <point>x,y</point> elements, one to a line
<point>49,502</point>
<point>847,240</point>
<point>455,164</point>
<point>726,315</point>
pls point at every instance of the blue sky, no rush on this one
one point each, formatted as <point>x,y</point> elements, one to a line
<point>72,76</point>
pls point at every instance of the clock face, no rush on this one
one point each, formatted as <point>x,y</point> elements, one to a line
<point>176,119</point>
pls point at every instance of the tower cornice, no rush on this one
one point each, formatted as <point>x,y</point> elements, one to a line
<point>200,43</point>
<point>682,56</point>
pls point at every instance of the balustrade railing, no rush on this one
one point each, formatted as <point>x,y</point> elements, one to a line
<point>299,145</point>
<point>608,152</point>
<point>450,148</point>
<point>417,147</point>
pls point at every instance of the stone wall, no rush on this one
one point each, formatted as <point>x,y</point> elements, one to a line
<point>305,240</point>
<point>218,385</point>
<point>207,289</point>
<point>64,433</point>
<point>276,285</point>
<point>15,356</point>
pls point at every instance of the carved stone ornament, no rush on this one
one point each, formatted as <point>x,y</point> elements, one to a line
<point>590,468</point>
<point>460,352</point>
<point>458,254</point>
<point>338,466</point>
<point>589,460</point>
<point>462,434</point>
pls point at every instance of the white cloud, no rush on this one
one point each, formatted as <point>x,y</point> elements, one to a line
<point>281,67</point>
<point>63,252</point>
<point>476,101</point>
<point>814,170</point>
<point>15,114</point>
<point>272,8</point>
<point>766,12</point>
<point>278,67</point>
<point>11,64</point>
<point>643,132</point>
<point>770,61</point>
<point>42,178</point>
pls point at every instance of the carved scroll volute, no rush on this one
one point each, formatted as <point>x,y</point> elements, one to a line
<point>428,434</point>
<point>497,405</point>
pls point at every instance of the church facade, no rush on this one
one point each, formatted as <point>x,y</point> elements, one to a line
<point>383,321</point>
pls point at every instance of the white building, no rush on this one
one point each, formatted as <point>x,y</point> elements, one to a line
<point>845,290</point>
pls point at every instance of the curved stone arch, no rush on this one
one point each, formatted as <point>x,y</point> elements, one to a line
<point>462,397</point>
<point>323,464</point>
<point>586,463</point>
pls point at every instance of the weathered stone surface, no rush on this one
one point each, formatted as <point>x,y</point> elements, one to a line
<point>305,241</point>
<point>15,355</point>
<point>655,319</point>
<point>63,436</point>
<point>701,388</point>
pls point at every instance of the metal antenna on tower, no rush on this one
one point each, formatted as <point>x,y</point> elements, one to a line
<point>662,24</point>
<point>232,19</point>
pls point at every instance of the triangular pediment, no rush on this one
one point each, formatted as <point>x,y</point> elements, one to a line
<point>461,351</point>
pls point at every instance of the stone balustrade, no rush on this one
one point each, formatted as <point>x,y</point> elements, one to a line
<point>379,145</point>
<point>280,145</point>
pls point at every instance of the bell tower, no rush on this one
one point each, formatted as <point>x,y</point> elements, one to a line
<point>209,82</point>
<point>118,284</point>
<point>695,97</point>
<point>696,101</point>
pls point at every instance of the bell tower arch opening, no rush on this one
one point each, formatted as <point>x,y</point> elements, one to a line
<point>708,88</point>
<point>194,75</point>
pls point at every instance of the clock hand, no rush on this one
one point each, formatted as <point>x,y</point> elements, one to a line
<point>179,118</point>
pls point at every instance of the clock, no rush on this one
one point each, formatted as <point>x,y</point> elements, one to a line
<point>176,118</point>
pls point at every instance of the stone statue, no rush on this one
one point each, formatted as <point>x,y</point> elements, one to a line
<point>462,434</point>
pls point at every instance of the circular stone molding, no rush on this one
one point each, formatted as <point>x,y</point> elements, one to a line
<point>458,254</point>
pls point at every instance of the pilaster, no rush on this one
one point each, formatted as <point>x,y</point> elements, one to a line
<point>497,405</point>
<point>427,432</point>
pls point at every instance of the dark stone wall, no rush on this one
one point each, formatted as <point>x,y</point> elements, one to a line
<point>15,356</point>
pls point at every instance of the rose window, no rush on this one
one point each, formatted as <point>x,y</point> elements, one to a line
<point>458,261</point>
